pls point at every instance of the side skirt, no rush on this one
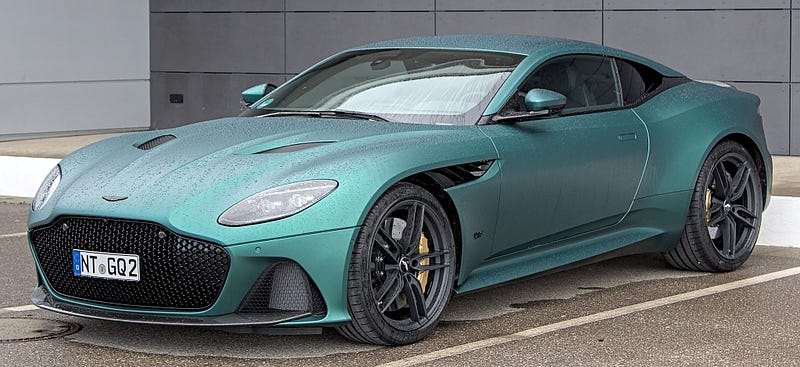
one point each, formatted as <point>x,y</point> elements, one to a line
<point>556,257</point>
<point>653,225</point>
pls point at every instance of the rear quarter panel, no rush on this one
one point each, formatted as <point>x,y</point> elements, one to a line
<point>684,123</point>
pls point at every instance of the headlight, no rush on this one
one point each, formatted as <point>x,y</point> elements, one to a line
<point>47,188</point>
<point>276,203</point>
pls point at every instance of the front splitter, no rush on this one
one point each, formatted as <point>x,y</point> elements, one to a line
<point>43,299</point>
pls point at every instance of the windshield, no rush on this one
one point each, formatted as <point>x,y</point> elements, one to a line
<point>403,85</point>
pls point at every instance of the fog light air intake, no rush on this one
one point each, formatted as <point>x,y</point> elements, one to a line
<point>283,286</point>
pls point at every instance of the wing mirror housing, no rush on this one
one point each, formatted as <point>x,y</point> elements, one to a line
<point>256,92</point>
<point>538,99</point>
<point>538,103</point>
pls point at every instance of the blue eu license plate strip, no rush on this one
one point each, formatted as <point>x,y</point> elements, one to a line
<point>105,265</point>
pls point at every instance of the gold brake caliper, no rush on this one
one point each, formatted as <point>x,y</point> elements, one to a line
<point>422,276</point>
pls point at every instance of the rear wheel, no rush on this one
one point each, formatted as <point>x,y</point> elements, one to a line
<point>724,214</point>
<point>402,269</point>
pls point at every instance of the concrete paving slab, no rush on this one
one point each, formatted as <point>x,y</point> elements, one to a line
<point>50,147</point>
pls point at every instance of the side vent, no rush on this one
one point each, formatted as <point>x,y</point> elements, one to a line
<point>294,147</point>
<point>154,142</point>
<point>459,174</point>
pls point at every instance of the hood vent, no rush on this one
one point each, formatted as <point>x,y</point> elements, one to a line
<point>294,147</point>
<point>152,143</point>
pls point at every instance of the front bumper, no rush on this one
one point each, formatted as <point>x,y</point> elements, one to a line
<point>324,257</point>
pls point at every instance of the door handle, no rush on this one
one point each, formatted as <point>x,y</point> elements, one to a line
<point>626,136</point>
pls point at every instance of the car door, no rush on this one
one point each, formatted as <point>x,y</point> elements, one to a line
<point>576,172</point>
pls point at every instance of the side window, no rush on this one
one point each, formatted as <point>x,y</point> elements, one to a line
<point>637,81</point>
<point>587,81</point>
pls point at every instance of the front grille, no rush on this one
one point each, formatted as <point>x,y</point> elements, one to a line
<point>176,272</point>
<point>284,286</point>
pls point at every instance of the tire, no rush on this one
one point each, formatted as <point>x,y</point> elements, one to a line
<point>724,214</point>
<point>393,263</point>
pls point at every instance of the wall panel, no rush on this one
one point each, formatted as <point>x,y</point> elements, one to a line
<point>794,127</point>
<point>215,5</point>
<point>775,112</point>
<point>205,96</point>
<point>695,4</point>
<point>721,45</point>
<point>217,42</point>
<point>54,41</point>
<point>310,37</point>
<point>70,66</point>
<point>358,5</point>
<point>584,26</point>
<point>795,46</point>
<point>64,107</point>
<point>481,5</point>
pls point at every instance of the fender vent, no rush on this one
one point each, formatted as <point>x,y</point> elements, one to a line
<point>154,142</point>
<point>460,174</point>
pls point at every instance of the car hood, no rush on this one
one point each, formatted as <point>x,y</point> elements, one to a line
<point>210,166</point>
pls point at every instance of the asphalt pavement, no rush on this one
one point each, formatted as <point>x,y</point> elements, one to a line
<point>631,311</point>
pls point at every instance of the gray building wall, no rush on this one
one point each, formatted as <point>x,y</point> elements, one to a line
<point>209,50</point>
<point>70,66</point>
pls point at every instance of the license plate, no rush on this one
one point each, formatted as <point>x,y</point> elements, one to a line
<point>105,265</point>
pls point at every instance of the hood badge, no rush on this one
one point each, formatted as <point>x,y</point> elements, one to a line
<point>114,198</point>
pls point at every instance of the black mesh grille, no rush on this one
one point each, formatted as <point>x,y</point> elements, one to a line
<point>176,272</point>
<point>152,143</point>
<point>284,286</point>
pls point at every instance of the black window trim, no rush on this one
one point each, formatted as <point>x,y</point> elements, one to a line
<point>667,82</point>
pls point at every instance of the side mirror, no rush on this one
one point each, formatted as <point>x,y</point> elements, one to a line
<point>254,93</point>
<point>544,99</point>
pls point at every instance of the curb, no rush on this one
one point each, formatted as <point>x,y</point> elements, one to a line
<point>15,200</point>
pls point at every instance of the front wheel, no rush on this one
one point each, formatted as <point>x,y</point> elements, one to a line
<point>724,213</point>
<point>402,269</point>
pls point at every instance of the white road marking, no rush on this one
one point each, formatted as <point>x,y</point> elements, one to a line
<point>20,308</point>
<point>12,235</point>
<point>600,316</point>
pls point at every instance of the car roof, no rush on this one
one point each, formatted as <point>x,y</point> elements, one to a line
<point>538,48</point>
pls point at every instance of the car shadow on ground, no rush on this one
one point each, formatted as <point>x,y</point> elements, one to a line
<point>480,305</point>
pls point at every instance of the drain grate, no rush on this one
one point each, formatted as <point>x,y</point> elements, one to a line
<point>18,330</point>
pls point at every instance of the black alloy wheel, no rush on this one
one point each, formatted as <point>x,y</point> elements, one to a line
<point>724,215</point>
<point>402,269</point>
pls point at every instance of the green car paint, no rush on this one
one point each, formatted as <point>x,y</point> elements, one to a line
<point>561,190</point>
<point>254,93</point>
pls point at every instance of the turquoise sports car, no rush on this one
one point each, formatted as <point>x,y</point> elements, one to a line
<point>366,191</point>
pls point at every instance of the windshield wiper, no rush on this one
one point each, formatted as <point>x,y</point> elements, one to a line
<point>356,114</point>
<point>330,113</point>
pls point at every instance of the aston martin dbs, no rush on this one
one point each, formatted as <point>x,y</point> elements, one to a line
<point>366,191</point>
